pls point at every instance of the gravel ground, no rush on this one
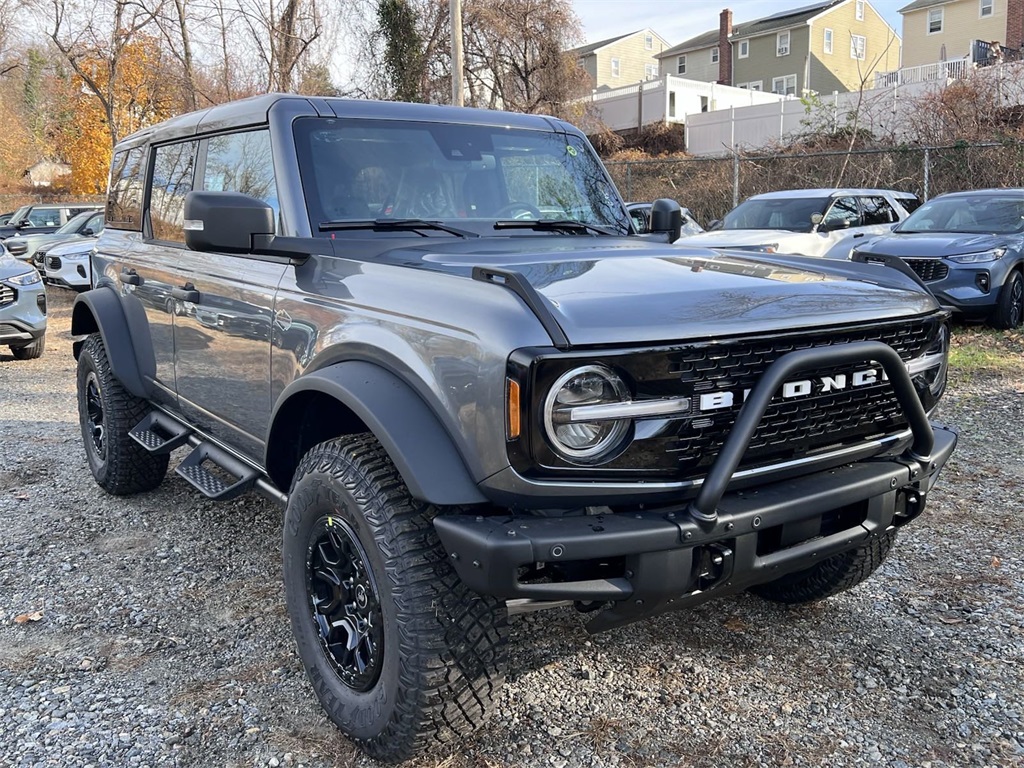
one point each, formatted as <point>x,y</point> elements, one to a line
<point>162,638</point>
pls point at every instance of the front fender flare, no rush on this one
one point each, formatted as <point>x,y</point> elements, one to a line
<point>100,311</point>
<point>406,427</point>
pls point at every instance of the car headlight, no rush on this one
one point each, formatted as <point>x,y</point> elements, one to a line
<point>979,258</point>
<point>25,279</point>
<point>577,419</point>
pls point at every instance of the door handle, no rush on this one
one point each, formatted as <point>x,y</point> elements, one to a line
<point>859,234</point>
<point>130,276</point>
<point>186,292</point>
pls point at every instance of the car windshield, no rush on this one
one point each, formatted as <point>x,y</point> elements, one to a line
<point>75,223</point>
<point>20,214</point>
<point>977,214</point>
<point>790,213</point>
<point>466,176</point>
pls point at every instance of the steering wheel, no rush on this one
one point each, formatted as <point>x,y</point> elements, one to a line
<point>512,208</point>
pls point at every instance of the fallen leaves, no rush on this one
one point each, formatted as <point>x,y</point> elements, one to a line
<point>25,618</point>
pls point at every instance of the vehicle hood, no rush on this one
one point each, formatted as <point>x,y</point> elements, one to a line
<point>78,245</point>
<point>10,267</point>
<point>936,245</point>
<point>34,242</point>
<point>725,238</point>
<point>628,290</point>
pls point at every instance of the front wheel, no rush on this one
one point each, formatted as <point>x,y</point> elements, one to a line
<point>401,654</point>
<point>30,351</point>
<point>1009,311</point>
<point>831,576</point>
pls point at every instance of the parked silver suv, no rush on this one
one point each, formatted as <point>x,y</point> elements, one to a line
<point>22,308</point>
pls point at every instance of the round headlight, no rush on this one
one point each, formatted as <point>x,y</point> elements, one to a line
<point>577,431</point>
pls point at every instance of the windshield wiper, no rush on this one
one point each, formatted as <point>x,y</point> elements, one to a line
<point>555,225</point>
<point>394,225</point>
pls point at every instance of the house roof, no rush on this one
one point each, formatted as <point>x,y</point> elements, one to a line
<point>780,20</point>
<point>919,4</point>
<point>591,47</point>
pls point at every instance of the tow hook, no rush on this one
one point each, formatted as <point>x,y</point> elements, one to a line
<point>713,565</point>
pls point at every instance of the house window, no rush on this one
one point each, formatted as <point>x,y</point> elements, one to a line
<point>744,49</point>
<point>615,68</point>
<point>860,10</point>
<point>934,21</point>
<point>858,46</point>
<point>828,41</point>
<point>987,8</point>
<point>681,65</point>
<point>757,85</point>
<point>651,71</point>
<point>714,55</point>
<point>782,44</point>
<point>784,86</point>
<point>649,42</point>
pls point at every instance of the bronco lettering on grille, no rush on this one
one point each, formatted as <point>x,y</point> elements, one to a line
<point>714,401</point>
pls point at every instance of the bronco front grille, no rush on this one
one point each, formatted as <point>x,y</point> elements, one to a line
<point>929,270</point>
<point>827,418</point>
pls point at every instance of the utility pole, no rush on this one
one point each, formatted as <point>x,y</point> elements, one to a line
<point>455,7</point>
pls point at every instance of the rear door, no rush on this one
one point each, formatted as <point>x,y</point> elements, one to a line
<point>223,338</point>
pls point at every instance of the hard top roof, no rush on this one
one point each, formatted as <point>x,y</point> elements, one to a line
<point>256,110</point>
<point>825,192</point>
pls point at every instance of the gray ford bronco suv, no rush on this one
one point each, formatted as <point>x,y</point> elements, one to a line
<point>432,335</point>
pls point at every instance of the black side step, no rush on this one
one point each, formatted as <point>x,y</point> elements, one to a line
<point>159,433</point>
<point>233,478</point>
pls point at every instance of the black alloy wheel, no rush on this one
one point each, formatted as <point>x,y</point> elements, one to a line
<point>345,603</point>
<point>94,414</point>
<point>1009,311</point>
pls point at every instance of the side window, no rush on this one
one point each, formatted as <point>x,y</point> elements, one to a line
<point>124,200</point>
<point>911,203</point>
<point>242,162</point>
<point>639,217</point>
<point>95,223</point>
<point>44,217</point>
<point>173,167</point>
<point>877,211</point>
<point>843,209</point>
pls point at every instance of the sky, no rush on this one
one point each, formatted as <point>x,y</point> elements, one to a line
<point>678,20</point>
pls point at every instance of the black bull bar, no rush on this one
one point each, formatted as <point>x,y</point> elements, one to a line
<point>721,542</point>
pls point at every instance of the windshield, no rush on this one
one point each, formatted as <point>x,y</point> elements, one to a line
<point>74,224</point>
<point>20,214</point>
<point>793,214</point>
<point>463,175</point>
<point>977,214</point>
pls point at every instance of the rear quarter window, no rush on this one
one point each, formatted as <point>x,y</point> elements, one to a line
<point>124,198</point>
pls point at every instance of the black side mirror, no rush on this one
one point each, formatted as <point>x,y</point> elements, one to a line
<point>225,222</point>
<point>831,226</point>
<point>667,216</point>
<point>23,223</point>
<point>87,232</point>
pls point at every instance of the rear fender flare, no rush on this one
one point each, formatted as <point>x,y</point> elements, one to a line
<point>410,432</point>
<point>100,311</point>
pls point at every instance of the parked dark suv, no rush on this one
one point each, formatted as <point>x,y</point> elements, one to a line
<point>433,336</point>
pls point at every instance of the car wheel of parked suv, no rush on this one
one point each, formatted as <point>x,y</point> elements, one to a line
<point>1009,311</point>
<point>831,576</point>
<point>30,351</point>
<point>106,412</point>
<point>401,654</point>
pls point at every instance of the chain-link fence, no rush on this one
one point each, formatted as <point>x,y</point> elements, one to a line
<point>711,187</point>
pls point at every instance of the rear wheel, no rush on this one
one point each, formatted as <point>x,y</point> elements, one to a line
<point>1009,311</point>
<point>106,412</point>
<point>30,351</point>
<point>401,654</point>
<point>831,576</point>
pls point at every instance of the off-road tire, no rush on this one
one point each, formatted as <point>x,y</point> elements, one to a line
<point>831,576</point>
<point>30,351</point>
<point>444,646</point>
<point>123,466</point>
<point>1009,311</point>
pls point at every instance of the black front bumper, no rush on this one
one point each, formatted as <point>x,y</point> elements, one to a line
<point>673,560</point>
<point>723,541</point>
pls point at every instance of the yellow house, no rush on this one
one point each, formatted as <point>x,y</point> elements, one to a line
<point>946,30</point>
<point>622,60</point>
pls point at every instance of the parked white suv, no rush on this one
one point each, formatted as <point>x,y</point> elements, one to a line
<point>808,222</point>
